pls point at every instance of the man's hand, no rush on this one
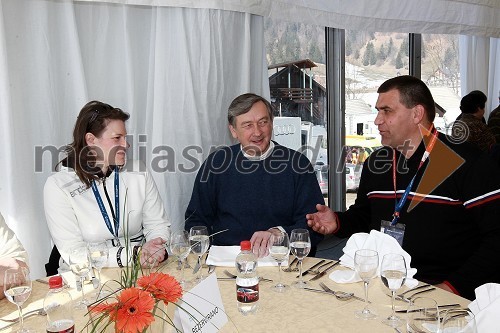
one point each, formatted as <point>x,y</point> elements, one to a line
<point>260,242</point>
<point>8,263</point>
<point>323,221</point>
<point>153,252</point>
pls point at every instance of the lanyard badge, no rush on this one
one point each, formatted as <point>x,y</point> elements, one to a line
<point>116,213</point>
<point>394,228</point>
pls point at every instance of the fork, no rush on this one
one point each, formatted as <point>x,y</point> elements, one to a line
<point>340,293</point>
<point>232,276</point>
<point>38,312</point>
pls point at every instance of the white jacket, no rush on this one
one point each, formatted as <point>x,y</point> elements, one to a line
<point>10,246</point>
<point>74,218</point>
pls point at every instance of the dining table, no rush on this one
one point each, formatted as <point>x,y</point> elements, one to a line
<point>296,310</point>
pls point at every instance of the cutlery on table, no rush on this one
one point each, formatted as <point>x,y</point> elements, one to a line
<point>408,299</point>
<point>318,269</point>
<point>197,266</point>
<point>321,274</point>
<point>340,296</point>
<point>425,285</point>
<point>440,307</point>
<point>289,268</point>
<point>311,268</point>
<point>325,288</point>
<point>211,268</point>
<point>232,276</point>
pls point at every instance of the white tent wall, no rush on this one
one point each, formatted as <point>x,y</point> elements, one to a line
<point>175,70</point>
<point>174,65</point>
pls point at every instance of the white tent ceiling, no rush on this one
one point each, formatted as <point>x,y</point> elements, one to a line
<point>465,17</point>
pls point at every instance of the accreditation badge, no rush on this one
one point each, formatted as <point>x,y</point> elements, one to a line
<point>397,231</point>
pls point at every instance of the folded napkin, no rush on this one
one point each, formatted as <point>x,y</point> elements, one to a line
<point>378,241</point>
<point>486,307</point>
<point>226,256</point>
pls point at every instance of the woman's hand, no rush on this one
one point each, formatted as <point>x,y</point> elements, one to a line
<point>153,252</point>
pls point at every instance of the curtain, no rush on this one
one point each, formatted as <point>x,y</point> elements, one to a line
<point>465,17</point>
<point>479,67</point>
<point>175,70</point>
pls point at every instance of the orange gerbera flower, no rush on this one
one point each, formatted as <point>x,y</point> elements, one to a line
<point>103,307</point>
<point>163,286</point>
<point>134,311</point>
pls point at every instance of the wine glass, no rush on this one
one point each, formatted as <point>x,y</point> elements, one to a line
<point>393,275</point>
<point>279,248</point>
<point>99,254</point>
<point>422,316</point>
<point>199,241</point>
<point>458,321</point>
<point>80,266</point>
<point>366,264</point>
<point>17,289</point>
<point>180,248</point>
<point>300,245</point>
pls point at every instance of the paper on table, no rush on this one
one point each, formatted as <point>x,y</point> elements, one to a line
<point>378,241</point>
<point>226,255</point>
<point>486,307</point>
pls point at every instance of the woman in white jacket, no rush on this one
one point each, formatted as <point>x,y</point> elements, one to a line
<point>96,196</point>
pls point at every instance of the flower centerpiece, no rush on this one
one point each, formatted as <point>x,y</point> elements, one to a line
<point>132,309</point>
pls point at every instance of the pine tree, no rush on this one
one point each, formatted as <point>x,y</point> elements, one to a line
<point>399,61</point>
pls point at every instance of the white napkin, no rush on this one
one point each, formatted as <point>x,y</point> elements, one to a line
<point>378,241</point>
<point>486,307</point>
<point>226,256</point>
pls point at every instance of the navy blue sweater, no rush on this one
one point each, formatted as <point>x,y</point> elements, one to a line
<point>245,196</point>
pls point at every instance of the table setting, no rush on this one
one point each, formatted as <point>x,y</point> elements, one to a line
<point>322,302</point>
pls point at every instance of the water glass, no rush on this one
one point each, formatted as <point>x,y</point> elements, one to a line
<point>200,241</point>
<point>422,316</point>
<point>17,289</point>
<point>458,321</point>
<point>99,254</point>
<point>279,248</point>
<point>80,266</point>
<point>300,245</point>
<point>180,248</point>
<point>393,275</point>
<point>366,264</point>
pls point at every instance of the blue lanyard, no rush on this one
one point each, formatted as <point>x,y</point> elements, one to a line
<point>104,213</point>
<point>402,201</point>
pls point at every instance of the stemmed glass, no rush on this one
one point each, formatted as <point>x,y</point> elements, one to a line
<point>180,247</point>
<point>393,275</point>
<point>199,241</point>
<point>458,321</point>
<point>423,316</point>
<point>300,245</point>
<point>17,289</point>
<point>366,264</point>
<point>279,248</point>
<point>99,254</point>
<point>80,266</point>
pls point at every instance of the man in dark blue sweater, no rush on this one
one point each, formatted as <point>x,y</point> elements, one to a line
<point>255,187</point>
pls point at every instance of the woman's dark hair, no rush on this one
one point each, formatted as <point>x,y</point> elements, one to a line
<point>93,118</point>
<point>473,100</point>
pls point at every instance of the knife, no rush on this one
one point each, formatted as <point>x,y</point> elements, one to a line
<point>320,275</point>
<point>197,266</point>
<point>311,268</point>
<point>439,307</point>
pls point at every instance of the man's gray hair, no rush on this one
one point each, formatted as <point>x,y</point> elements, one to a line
<point>243,103</point>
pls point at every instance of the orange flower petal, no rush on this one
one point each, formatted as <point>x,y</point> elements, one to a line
<point>163,286</point>
<point>134,310</point>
